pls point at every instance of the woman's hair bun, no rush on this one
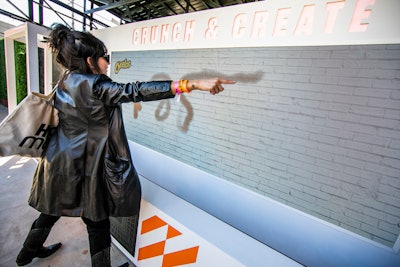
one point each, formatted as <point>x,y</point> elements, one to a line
<point>72,48</point>
<point>58,35</point>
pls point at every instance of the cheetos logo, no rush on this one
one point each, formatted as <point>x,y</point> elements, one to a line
<point>169,259</point>
<point>124,64</point>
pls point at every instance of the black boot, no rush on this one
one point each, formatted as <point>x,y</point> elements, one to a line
<point>33,246</point>
<point>102,258</point>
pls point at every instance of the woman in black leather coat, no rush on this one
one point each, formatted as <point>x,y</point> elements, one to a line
<point>87,170</point>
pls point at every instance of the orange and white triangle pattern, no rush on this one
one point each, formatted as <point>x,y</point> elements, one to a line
<point>162,241</point>
<point>159,248</point>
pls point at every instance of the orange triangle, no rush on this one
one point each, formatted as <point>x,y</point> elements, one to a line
<point>153,250</point>
<point>181,257</point>
<point>172,232</point>
<point>151,224</point>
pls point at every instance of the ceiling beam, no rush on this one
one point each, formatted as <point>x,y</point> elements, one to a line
<point>128,13</point>
<point>111,6</point>
<point>170,8</point>
<point>14,16</point>
<point>28,18</point>
<point>78,12</point>
<point>212,3</point>
<point>187,6</point>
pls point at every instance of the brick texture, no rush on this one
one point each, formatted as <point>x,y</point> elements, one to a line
<point>316,128</point>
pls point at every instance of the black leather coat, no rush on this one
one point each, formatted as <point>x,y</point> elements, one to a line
<point>87,169</point>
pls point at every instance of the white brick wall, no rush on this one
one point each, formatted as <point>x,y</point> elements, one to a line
<point>317,128</point>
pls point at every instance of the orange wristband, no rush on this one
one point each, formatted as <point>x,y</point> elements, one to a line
<point>183,86</point>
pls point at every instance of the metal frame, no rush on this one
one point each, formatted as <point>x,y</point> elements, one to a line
<point>126,10</point>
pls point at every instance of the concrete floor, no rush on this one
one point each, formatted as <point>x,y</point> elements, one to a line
<point>16,218</point>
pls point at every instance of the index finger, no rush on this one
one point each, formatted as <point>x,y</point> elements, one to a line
<point>226,81</point>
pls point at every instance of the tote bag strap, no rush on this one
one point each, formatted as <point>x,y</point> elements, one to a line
<point>49,97</point>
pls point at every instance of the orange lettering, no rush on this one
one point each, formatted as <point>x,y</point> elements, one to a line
<point>176,32</point>
<point>259,24</point>
<point>306,20</point>
<point>238,27</point>
<point>136,36</point>
<point>164,33</point>
<point>281,21</point>
<point>333,10</point>
<point>189,30</point>
<point>153,34</point>
<point>212,29</point>
<point>144,35</point>
<point>361,12</point>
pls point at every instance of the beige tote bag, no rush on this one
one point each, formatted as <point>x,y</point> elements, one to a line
<point>27,130</point>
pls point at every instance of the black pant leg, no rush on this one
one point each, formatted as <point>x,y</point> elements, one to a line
<point>99,234</point>
<point>45,221</point>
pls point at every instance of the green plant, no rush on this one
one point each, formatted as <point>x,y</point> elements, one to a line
<point>3,78</point>
<point>20,70</point>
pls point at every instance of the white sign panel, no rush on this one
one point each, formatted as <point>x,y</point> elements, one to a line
<point>265,23</point>
<point>163,241</point>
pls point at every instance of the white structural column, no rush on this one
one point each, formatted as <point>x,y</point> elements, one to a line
<point>31,35</point>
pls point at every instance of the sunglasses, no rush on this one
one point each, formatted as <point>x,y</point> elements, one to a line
<point>107,58</point>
